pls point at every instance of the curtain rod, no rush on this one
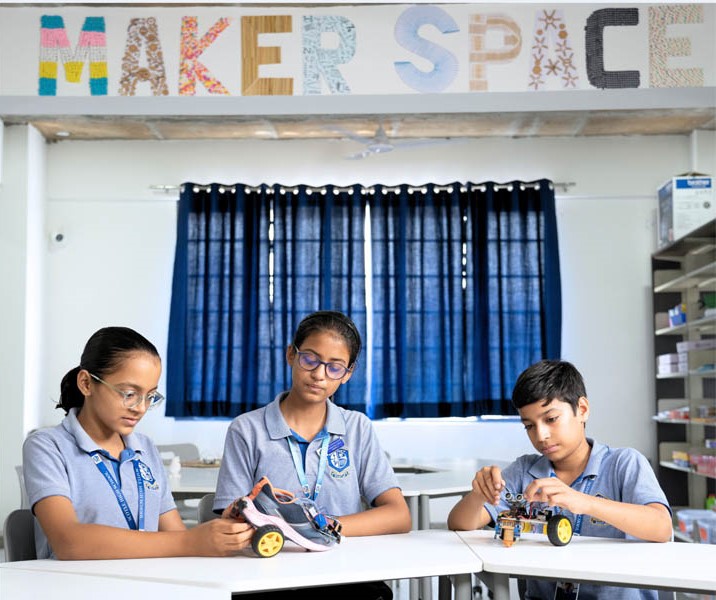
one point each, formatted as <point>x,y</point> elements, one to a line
<point>564,185</point>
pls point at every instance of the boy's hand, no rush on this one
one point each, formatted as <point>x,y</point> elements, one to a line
<point>488,484</point>
<point>555,492</point>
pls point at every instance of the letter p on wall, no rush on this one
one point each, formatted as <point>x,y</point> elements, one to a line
<point>481,55</point>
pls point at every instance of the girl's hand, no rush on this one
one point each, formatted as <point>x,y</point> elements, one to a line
<point>488,484</point>
<point>233,512</point>
<point>555,492</point>
<point>220,537</point>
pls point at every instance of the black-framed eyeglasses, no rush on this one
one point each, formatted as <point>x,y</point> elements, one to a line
<point>308,361</point>
<point>132,399</point>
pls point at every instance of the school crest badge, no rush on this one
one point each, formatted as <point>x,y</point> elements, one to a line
<point>339,461</point>
<point>149,482</point>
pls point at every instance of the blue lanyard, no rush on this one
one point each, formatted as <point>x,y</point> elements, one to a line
<point>586,488</point>
<point>121,500</point>
<point>300,471</point>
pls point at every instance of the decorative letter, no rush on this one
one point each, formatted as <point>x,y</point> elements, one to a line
<point>319,61</point>
<point>92,45</point>
<point>480,55</point>
<point>143,32</point>
<point>254,55</point>
<point>191,49</point>
<point>662,47</point>
<point>406,34</point>
<point>551,30</point>
<point>594,47</point>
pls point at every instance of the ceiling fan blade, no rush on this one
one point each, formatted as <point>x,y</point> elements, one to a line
<point>350,135</point>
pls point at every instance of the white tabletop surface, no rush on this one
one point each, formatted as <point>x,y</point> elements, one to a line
<point>671,565</point>
<point>26,584</point>
<point>399,556</point>
<point>444,477</point>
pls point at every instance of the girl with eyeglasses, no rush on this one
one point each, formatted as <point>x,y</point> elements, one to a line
<point>97,488</point>
<point>305,444</point>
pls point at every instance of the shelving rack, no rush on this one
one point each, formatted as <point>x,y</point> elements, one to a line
<point>683,273</point>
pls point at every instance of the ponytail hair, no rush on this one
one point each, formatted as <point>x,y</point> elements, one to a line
<point>103,354</point>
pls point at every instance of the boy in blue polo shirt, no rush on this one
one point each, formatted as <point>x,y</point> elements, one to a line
<point>607,492</point>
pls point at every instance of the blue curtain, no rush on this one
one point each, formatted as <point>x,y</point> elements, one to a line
<point>466,294</point>
<point>249,264</point>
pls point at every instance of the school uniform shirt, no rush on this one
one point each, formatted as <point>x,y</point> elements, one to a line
<point>257,445</point>
<point>57,462</point>
<point>620,474</point>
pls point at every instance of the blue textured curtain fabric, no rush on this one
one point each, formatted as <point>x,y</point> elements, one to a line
<point>249,264</point>
<point>466,294</point>
<point>319,264</point>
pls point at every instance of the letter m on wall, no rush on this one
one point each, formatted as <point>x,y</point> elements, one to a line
<point>55,47</point>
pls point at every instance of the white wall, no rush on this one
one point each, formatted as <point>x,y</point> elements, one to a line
<point>115,265</point>
<point>22,207</point>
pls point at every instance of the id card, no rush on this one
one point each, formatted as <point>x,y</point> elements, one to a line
<point>566,590</point>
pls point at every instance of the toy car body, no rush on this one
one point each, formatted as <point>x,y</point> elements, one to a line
<point>278,515</point>
<point>521,518</point>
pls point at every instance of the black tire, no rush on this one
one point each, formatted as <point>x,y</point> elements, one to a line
<point>267,541</point>
<point>559,530</point>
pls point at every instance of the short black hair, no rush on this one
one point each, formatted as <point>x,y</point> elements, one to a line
<point>548,380</point>
<point>333,321</point>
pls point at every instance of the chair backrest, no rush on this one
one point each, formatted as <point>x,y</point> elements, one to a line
<point>19,535</point>
<point>24,500</point>
<point>206,505</point>
<point>185,452</point>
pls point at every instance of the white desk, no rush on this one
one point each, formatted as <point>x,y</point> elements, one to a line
<point>435,480</point>
<point>193,482</point>
<point>418,488</point>
<point>671,566</point>
<point>401,556</point>
<point>17,583</point>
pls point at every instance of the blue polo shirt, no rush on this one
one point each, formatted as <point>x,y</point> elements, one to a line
<point>57,461</point>
<point>620,474</point>
<point>358,470</point>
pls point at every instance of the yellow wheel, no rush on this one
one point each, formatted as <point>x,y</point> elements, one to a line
<point>267,541</point>
<point>559,530</point>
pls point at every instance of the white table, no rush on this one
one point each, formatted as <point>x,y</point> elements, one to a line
<point>435,480</point>
<point>671,566</point>
<point>19,583</point>
<point>400,556</point>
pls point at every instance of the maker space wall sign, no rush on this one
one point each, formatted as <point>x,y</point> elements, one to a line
<point>370,49</point>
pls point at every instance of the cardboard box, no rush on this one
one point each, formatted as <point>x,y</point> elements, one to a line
<point>685,202</point>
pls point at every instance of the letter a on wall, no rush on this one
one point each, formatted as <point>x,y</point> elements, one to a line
<point>142,33</point>
<point>550,33</point>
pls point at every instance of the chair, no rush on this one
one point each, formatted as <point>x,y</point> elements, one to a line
<point>206,506</point>
<point>19,535</point>
<point>186,452</point>
<point>24,500</point>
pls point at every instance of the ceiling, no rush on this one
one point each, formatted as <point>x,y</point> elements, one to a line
<point>561,123</point>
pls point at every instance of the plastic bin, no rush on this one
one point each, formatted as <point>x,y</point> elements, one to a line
<point>707,528</point>
<point>687,517</point>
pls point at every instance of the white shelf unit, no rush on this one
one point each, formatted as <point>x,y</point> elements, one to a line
<point>685,273</point>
